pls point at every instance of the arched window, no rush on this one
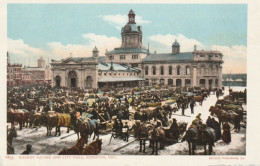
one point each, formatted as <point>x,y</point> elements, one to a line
<point>162,70</point>
<point>170,82</point>
<point>154,70</point>
<point>178,70</point>
<point>187,70</point>
<point>170,70</point>
<point>146,70</point>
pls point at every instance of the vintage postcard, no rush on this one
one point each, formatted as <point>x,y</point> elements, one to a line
<point>128,82</point>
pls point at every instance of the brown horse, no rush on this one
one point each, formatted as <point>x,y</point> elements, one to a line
<point>156,136</point>
<point>141,132</point>
<point>20,116</point>
<point>204,136</point>
<point>93,148</point>
<point>200,99</point>
<point>228,116</point>
<point>56,120</point>
<point>88,128</point>
<point>76,149</point>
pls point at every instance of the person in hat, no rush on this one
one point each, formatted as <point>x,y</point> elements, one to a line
<point>174,132</point>
<point>137,115</point>
<point>192,107</point>
<point>28,149</point>
<point>183,108</point>
<point>226,136</point>
<point>125,132</point>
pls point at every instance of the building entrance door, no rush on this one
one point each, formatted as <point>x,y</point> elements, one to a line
<point>58,81</point>
<point>73,82</point>
<point>210,83</point>
<point>89,82</point>
<point>72,79</point>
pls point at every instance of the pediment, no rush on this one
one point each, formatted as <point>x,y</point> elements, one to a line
<point>70,61</point>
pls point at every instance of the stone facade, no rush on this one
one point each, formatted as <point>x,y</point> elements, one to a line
<point>195,69</point>
<point>75,72</point>
<point>134,65</point>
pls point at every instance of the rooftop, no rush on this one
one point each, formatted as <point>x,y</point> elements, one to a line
<point>120,79</point>
<point>183,56</point>
<point>128,50</point>
<point>116,67</point>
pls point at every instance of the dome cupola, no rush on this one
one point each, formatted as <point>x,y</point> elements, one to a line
<point>175,47</point>
<point>95,52</point>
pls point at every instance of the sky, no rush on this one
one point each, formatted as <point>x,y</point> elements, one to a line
<point>54,31</point>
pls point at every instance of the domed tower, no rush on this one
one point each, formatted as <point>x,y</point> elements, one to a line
<point>175,47</point>
<point>41,62</point>
<point>95,52</point>
<point>131,33</point>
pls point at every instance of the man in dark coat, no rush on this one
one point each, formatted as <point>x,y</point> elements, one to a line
<point>209,122</point>
<point>144,117</point>
<point>137,115</point>
<point>226,136</point>
<point>192,107</point>
<point>216,128</point>
<point>174,129</point>
<point>217,94</point>
<point>125,132</point>
<point>183,108</point>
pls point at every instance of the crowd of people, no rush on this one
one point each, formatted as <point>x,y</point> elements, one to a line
<point>121,107</point>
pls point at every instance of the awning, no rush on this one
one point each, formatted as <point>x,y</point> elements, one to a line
<point>120,79</point>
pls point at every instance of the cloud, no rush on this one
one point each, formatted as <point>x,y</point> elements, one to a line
<point>186,44</point>
<point>119,20</point>
<point>18,47</point>
<point>236,51</point>
<point>57,49</point>
<point>102,42</point>
<point>235,58</point>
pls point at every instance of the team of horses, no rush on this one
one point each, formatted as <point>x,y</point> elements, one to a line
<point>152,107</point>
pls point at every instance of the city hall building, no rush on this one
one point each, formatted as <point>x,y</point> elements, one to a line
<point>132,65</point>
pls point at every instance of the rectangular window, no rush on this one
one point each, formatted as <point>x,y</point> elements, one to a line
<point>154,71</point>
<point>162,70</point>
<point>146,70</point>
<point>122,56</point>
<point>178,71</point>
<point>134,56</point>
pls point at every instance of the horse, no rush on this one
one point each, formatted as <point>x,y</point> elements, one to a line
<point>20,116</point>
<point>205,136</point>
<point>208,137</point>
<point>76,149</point>
<point>93,148</point>
<point>228,116</point>
<point>141,132</point>
<point>150,112</point>
<point>56,120</point>
<point>191,136</point>
<point>200,99</point>
<point>156,136</point>
<point>88,127</point>
<point>10,135</point>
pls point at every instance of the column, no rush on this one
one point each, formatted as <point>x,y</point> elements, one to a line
<point>220,76</point>
<point>194,76</point>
